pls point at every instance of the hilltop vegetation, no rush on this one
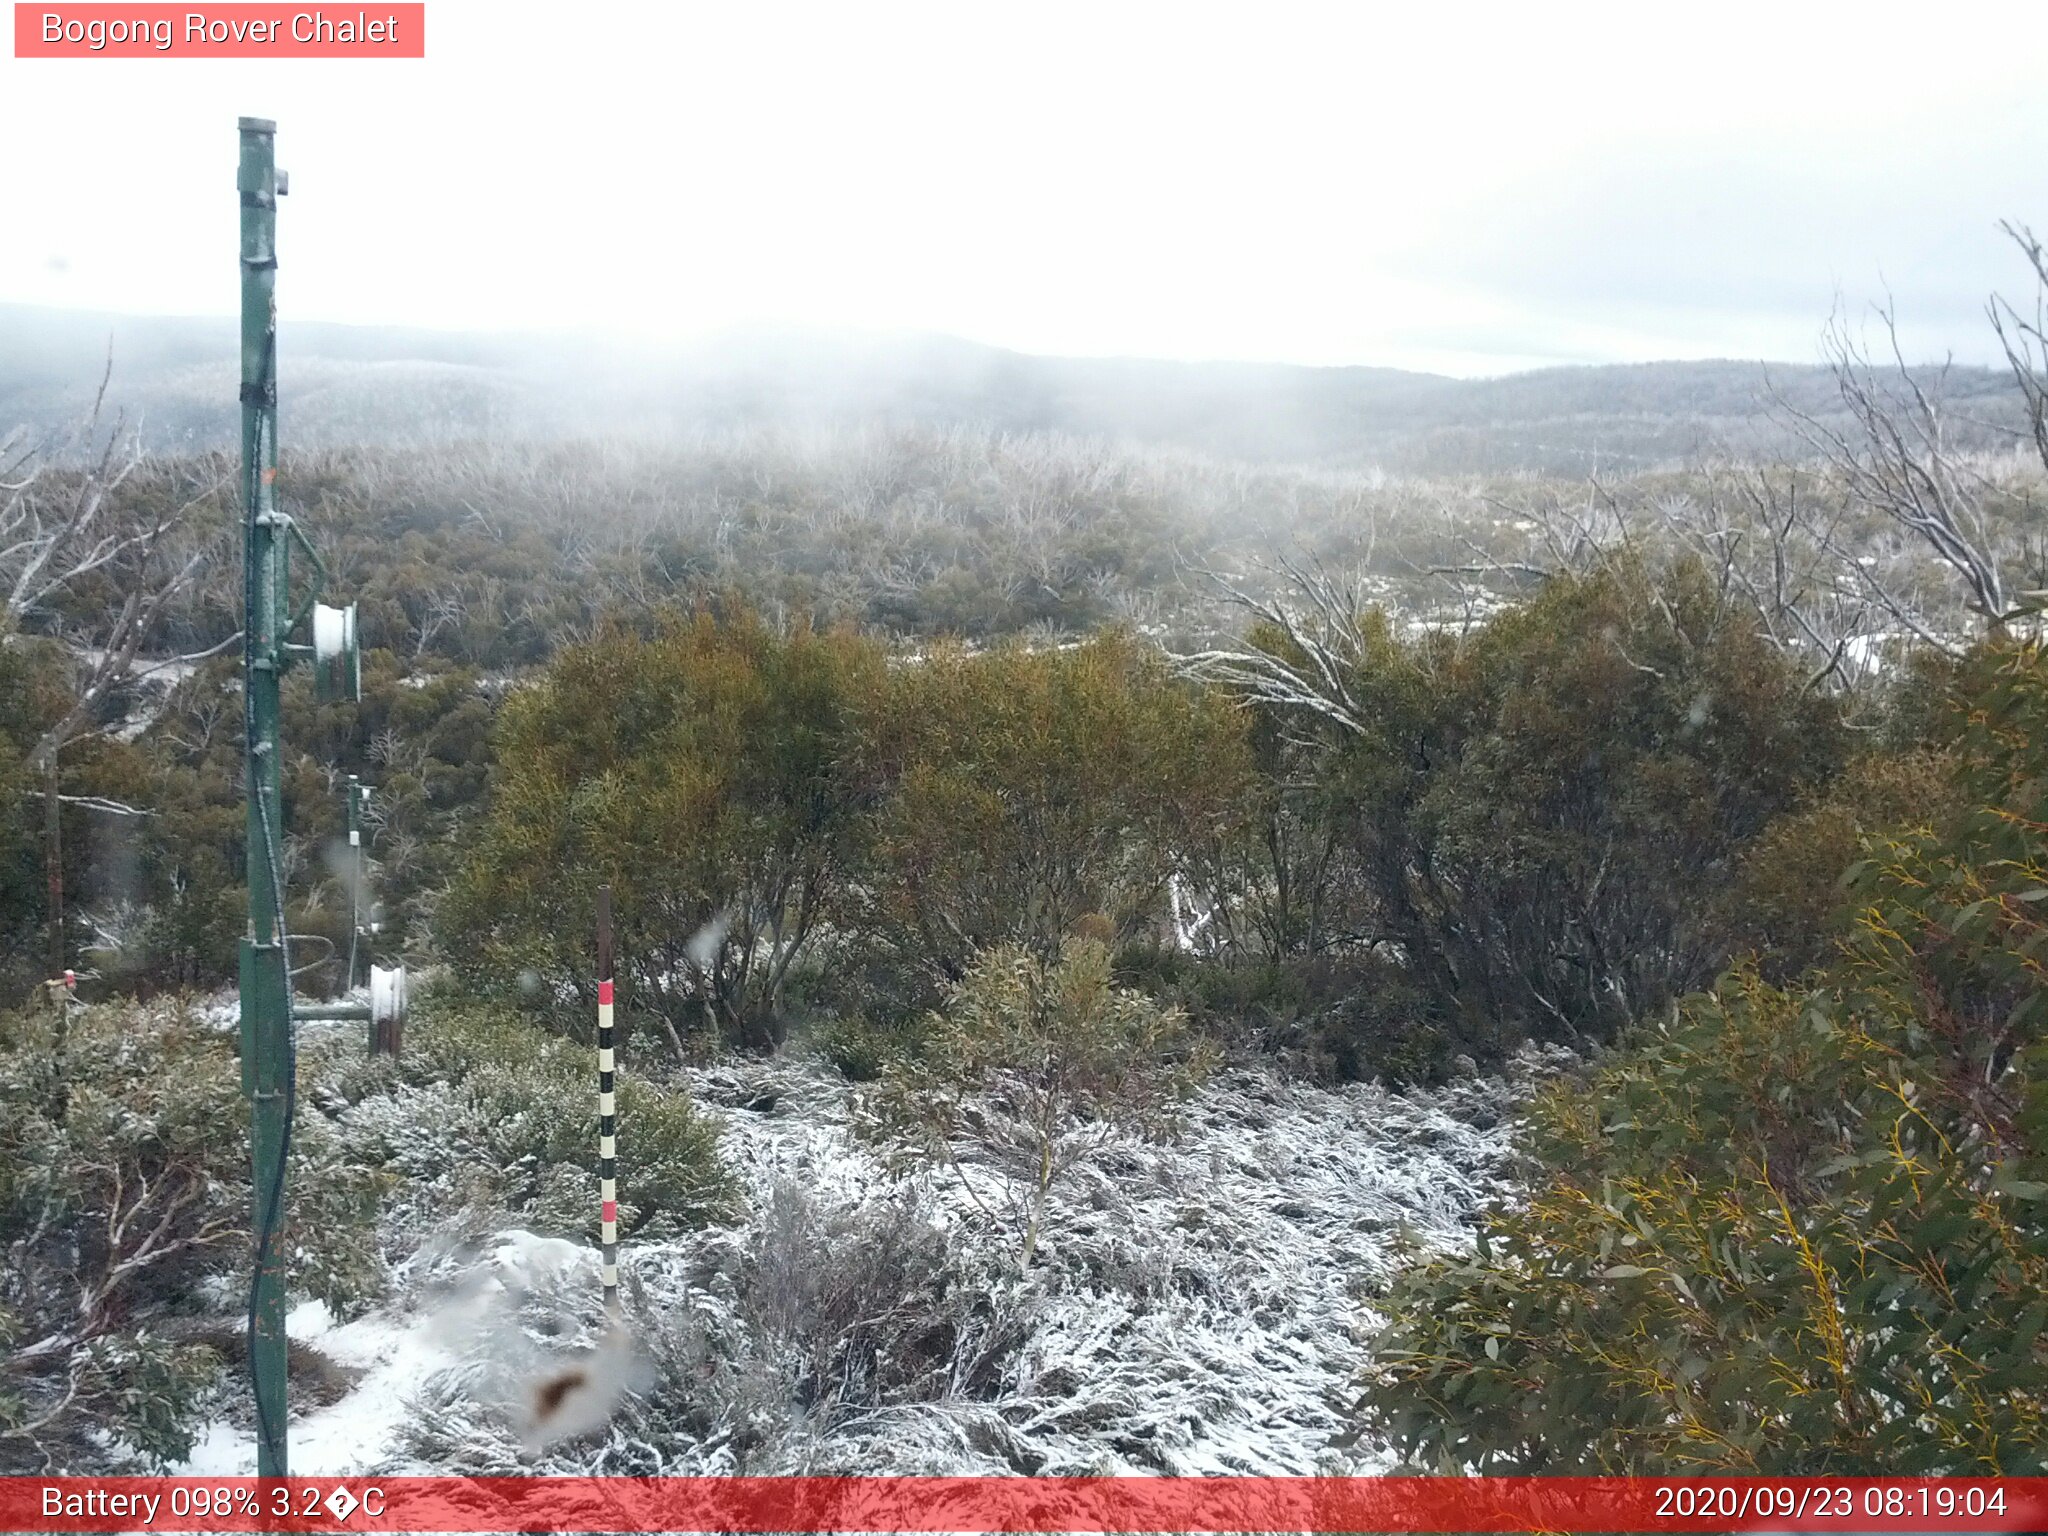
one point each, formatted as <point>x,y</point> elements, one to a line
<point>1022,778</point>
<point>355,386</point>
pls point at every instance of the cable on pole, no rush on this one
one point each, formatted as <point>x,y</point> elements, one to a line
<point>270,1431</point>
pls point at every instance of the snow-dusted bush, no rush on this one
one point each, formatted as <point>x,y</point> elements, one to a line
<point>736,1350</point>
<point>1193,1307</point>
<point>124,1194</point>
<point>864,1305</point>
<point>1030,1069</point>
<point>493,1112</point>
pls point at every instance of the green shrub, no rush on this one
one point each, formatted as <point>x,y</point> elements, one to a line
<point>862,1048</point>
<point>1788,1230</point>
<point>1336,1017</point>
<point>1788,904</point>
<point>1024,793</point>
<point>700,772</point>
<point>1537,815</point>
<point>1763,1241</point>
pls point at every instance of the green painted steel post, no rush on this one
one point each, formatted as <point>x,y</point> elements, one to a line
<point>267,1064</point>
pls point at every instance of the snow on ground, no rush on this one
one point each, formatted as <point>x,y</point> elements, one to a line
<point>1196,1307</point>
<point>394,1353</point>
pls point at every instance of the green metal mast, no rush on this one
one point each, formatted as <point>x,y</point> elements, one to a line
<point>267,1054</point>
<point>269,1016</point>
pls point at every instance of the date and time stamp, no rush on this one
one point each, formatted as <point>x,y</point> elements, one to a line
<point>1818,1500</point>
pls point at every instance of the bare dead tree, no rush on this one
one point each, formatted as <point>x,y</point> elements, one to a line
<point>447,608</point>
<point>1580,536</point>
<point>1799,548</point>
<point>1322,638</point>
<point>69,533</point>
<point>1895,457</point>
<point>2024,338</point>
<point>1772,549</point>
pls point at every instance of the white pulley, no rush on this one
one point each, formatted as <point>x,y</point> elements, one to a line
<point>337,661</point>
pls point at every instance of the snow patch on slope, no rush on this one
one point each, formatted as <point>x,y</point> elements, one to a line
<point>1196,1308</point>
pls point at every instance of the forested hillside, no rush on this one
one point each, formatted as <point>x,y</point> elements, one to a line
<point>361,385</point>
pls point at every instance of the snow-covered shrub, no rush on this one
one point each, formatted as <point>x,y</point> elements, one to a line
<point>124,1195</point>
<point>863,1305</point>
<point>1031,1069</point>
<point>1192,1307</point>
<point>737,1350</point>
<point>504,1115</point>
<point>829,1313</point>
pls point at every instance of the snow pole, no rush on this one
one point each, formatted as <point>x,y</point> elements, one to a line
<point>607,1107</point>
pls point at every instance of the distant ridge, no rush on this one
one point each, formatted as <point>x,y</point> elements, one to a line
<point>372,384</point>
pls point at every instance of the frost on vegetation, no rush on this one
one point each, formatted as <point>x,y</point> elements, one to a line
<point>1194,1307</point>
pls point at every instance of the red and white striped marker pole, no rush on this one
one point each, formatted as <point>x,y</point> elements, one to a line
<point>607,1106</point>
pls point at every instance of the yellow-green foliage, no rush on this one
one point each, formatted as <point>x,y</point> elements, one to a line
<point>1025,790</point>
<point>750,793</point>
<point>1788,903</point>
<point>1787,1230</point>
<point>699,771</point>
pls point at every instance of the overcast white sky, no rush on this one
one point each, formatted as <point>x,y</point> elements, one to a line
<point>1464,188</point>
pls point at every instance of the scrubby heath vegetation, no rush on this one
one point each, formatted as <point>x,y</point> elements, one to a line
<point>1789,1227</point>
<point>1094,887</point>
<point>125,1199</point>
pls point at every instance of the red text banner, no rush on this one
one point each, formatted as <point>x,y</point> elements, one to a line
<point>114,31</point>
